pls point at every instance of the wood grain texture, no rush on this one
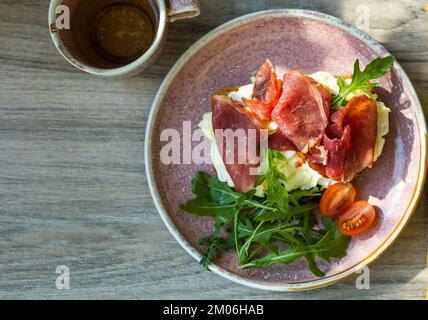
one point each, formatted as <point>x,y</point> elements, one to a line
<point>73,189</point>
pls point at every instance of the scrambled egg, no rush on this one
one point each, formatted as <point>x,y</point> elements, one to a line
<point>303,177</point>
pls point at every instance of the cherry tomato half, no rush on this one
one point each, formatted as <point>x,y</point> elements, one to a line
<point>356,219</point>
<point>337,198</point>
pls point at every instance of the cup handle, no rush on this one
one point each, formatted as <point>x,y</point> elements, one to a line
<point>182,9</point>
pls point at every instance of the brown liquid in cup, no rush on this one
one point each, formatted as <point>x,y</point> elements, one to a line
<point>109,33</point>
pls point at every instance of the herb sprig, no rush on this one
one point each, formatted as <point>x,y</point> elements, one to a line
<point>278,228</point>
<point>361,79</point>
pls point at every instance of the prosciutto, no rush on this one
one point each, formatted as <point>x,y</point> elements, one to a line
<point>229,116</point>
<point>318,155</point>
<point>266,84</point>
<point>337,146</point>
<point>336,143</point>
<point>302,112</point>
<point>267,90</point>
<point>361,117</point>
<point>349,140</point>
<point>279,141</point>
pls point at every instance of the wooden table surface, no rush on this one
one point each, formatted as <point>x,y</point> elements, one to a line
<point>73,188</point>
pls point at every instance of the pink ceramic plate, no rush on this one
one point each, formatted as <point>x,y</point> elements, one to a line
<point>291,39</point>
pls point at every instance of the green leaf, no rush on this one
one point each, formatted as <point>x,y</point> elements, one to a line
<point>289,255</point>
<point>203,207</point>
<point>312,265</point>
<point>304,209</point>
<point>215,245</point>
<point>277,194</point>
<point>272,216</point>
<point>378,67</point>
<point>341,83</point>
<point>308,224</point>
<point>299,195</point>
<point>269,245</point>
<point>333,244</point>
<point>361,79</point>
<point>256,225</point>
<point>264,231</point>
<point>212,189</point>
<point>328,223</point>
<point>330,245</point>
<point>238,206</point>
<point>214,197</point>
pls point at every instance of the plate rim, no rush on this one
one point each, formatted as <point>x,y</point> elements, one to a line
<point>224,28</point>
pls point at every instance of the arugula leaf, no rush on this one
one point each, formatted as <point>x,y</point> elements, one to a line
<point>212,189</point>
<point>277,194</point>
<point>361,79</point>
<point>263,231</point>
<point>337,243</point>
<point>238,206</point>
<point>204,207</point>
<point>259,228</point>
<point>312,265</point>
<point>214,198</point>
<point>329,246</point>
<point>289,255</point>
<point>271,216</point>
<point>216,245</point>
<point>304,195</point>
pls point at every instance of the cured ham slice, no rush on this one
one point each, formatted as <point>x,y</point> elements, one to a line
<point>266,84</point>
<point>349,140</point>
<point>229,116</point>
<point>261,110</point>
<point>337,147</point>
<point>361,117</point>
<point>279,141</point>
<point>302,112</point>
<point>318,155</point>
<point>267,90</point>
<point>336,143</point>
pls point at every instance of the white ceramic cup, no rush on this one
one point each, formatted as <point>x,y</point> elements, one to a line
<point>165,11</point>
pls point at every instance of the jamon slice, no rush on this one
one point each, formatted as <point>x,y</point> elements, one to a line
<point>267,90</point>
<point>361,117</point>
<point>229,116</point>
<point>266,84</point>
<point>278,141</point>
<point>260,109</point>
<point>349,140</point>
<point>337,146</point>
<point>318,155</point>
<point>302,112</point>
